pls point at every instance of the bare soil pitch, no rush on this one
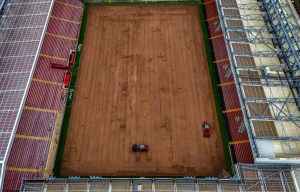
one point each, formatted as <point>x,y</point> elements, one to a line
<point>143,78</point>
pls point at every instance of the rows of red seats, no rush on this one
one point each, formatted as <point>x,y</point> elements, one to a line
<point>58,47</point>
<point>60,27</point>
<point>71,13</point>
<point>214,27</point>
<point>219,47</point>
<point>13,179</point>
<point>36,123</point>
<point>29,153</point>
<point>43,71</point>
<point>45,96</point>
<point>243,153</point>
<point>230,97</point>
<point>59,40</point>
<point>210,9</point>
<point>225,73</point>
<point>234,116</point>
<point>30,148</point>
<point>237,126</point>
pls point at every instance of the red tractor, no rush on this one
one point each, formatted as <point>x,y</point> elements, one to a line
<point>140,148</point>
<point>206,131</point>
<point>67,80</point>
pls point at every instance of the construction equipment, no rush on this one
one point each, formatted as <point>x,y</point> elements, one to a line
<point>67,80</point>
<point>206,131</point>
<point>140,148</point>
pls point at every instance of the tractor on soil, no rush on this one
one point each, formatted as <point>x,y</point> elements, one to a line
<point>140,148</point>
<point>206,131</point>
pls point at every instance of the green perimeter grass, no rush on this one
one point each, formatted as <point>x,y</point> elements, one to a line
<point>213,78</point>
<point>65,124</point>
<point>208,49</point>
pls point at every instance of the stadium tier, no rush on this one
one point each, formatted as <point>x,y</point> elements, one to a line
<point>22,27</point>
<point>237,133</point>
<point>34,143</point>
<point>262,40</point>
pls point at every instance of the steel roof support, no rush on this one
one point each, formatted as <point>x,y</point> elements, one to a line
<point>275,36</point>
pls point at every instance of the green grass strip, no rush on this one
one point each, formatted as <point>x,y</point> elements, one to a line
<point>213,78</point>
<point>65,124</point>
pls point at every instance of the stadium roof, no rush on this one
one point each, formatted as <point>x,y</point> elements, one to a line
<point>22,28</point>
<point>263,44</point>
<point>1,3</point>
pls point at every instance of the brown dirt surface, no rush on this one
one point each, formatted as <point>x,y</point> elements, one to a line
<point>143,78</point>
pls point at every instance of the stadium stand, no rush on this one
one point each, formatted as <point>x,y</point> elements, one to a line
<point>34,144</point>
<point>232,108</point>
<point>22,27</point>
<point>32,123</point>
<point>248,178</point>
<point>262,40</point>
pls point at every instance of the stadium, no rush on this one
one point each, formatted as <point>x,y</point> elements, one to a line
<point>137,95</point>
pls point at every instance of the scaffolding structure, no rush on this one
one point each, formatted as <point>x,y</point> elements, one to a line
<point>248,178</point>
<point>262,39</point>
<point>1,3</point>
<point>22,29</point>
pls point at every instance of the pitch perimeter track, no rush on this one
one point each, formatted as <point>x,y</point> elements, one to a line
<point>143,78</point>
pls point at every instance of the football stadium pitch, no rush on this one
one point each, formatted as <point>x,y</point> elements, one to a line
<point>143,78</point>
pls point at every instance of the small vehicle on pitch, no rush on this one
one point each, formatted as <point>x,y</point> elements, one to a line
<point>140,148</point>
<point>67,80</point>
<point>206,131</point>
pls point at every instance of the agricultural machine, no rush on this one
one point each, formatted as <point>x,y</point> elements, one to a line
<point>140,148</point>
<point>206,131</point>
